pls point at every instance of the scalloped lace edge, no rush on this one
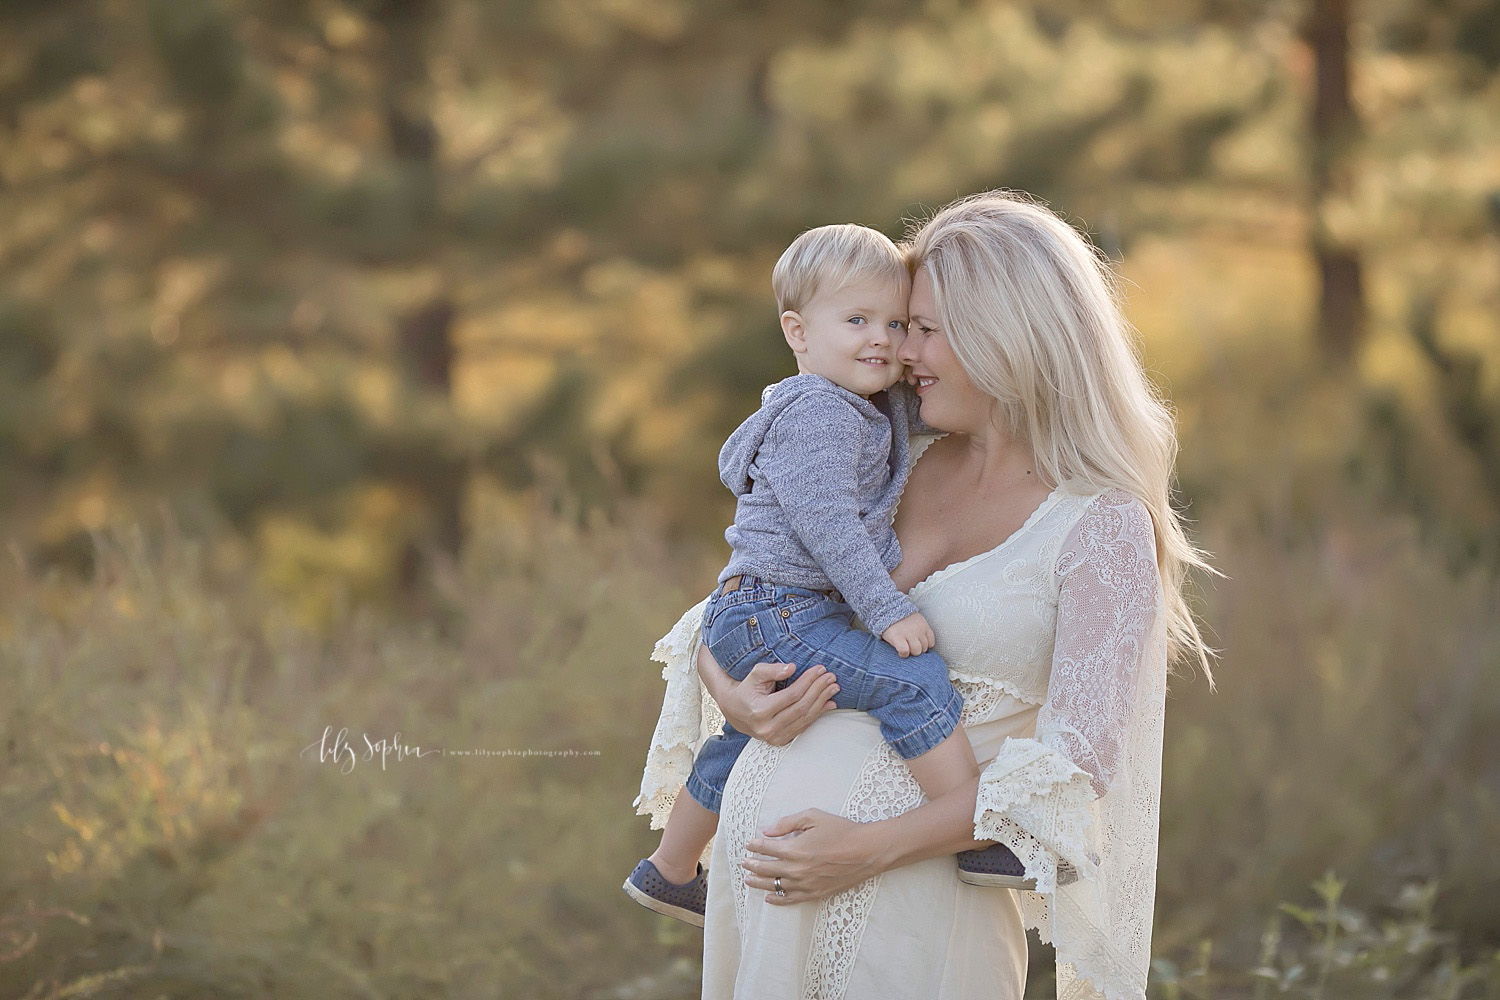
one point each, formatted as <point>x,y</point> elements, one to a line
<point>680,727</point>
<point>1008,802</point>
<point>1024,771</point>
<point>1099,970</point>
<point>996,683</point>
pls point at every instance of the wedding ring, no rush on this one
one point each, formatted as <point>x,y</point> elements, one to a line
<point>779,890</point>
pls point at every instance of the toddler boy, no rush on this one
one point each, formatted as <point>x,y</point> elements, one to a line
<point>817,471</point>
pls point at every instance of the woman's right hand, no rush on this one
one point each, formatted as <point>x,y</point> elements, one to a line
<point>756,708</point>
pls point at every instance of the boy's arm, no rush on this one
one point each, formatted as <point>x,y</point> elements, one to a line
<point>810,459</point>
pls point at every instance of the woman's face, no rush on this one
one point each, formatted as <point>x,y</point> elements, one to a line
<point>950,402</point>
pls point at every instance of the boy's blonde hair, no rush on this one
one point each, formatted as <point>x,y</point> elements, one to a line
<point>832,257</point>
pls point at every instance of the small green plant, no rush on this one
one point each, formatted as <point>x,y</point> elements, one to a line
<point>1334,952</point>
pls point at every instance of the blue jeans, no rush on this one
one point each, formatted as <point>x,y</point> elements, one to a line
<point>761,622</point>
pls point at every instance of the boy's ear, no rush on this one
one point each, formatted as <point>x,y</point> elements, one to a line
<point>793,330</point>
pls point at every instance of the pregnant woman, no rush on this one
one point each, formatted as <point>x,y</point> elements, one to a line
<point>1039,541</point>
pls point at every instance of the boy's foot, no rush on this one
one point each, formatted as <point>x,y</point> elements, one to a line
<point>686,902</point>
<point>997,865</point>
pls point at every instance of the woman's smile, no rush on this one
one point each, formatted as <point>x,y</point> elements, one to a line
<point>959,405</point>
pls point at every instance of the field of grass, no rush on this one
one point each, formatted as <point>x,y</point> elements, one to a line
<point>167,832</point>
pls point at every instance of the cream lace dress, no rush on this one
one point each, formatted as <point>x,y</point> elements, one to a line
<point>1056,638</point>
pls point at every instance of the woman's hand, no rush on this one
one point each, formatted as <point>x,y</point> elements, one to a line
<point>815,854</point>
<point>756,708</point>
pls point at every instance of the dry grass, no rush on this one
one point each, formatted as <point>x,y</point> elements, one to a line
<point>163,826</point>
<point>164,836</point>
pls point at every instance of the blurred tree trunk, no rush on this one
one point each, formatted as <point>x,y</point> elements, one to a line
<point>1335,132</point>
<point>425,332</point>
<point>1474,419</point>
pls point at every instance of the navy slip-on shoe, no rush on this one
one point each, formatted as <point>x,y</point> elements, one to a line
<point>650,888</point>
<point>997,865</point>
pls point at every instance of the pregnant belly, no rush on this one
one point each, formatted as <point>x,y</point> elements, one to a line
<point>839,764</point>
<point>914,933</point>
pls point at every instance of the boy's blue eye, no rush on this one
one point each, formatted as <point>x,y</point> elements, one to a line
<point>896,324</point>
<point>856,319</point>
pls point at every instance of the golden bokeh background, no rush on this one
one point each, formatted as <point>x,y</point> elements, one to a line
<point>363,364</point>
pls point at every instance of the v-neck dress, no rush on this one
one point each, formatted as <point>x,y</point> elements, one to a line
<point>1070,602</point>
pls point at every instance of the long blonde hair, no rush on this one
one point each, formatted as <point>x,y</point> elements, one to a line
<point>1033,313</point>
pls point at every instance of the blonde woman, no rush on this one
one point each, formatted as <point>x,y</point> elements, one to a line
<point>1040,542</point>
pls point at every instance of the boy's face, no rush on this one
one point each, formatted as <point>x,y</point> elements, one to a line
<point>850,335</point>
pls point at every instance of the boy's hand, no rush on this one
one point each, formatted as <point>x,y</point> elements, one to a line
<point>911,635</point>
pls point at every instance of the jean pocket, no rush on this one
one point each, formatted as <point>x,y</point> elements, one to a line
<point>734,645</point>
<point>731,632</point>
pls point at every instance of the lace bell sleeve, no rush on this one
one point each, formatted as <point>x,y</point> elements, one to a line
<point>1084,791</point>
<point>688,715</point>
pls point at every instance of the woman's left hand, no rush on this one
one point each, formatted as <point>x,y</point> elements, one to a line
<point>814,853</point>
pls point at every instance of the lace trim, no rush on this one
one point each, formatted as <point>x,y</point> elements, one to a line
<point>983,694</point>
<point>884,788</point>
<point>682,640</point>
<point>1092,967</point>
<point>1070,986</point>
<point>944,572</point>
<point>743,795</point>
<point>1036,913</point>
<point>1104,712</point>
<point>1047,797</point>
<point>688,714</point>
<point>1100,962</point>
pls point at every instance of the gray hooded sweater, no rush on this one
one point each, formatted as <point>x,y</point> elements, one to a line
<point>818,470</point>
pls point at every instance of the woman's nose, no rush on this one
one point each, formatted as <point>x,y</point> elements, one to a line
<point>909,351</point>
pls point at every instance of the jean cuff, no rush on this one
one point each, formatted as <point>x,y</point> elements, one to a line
<point>705,795</point>
<point>932,732</point>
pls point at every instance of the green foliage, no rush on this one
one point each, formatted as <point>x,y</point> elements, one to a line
<point>204,199</point>
<point>1359,676</point>
<point>197,48</point>
<point>1336,951</point>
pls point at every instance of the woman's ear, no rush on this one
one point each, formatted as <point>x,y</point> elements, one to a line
<point>794,331</point>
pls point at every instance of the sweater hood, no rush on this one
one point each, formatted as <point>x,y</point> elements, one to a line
<point>738,453</point>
